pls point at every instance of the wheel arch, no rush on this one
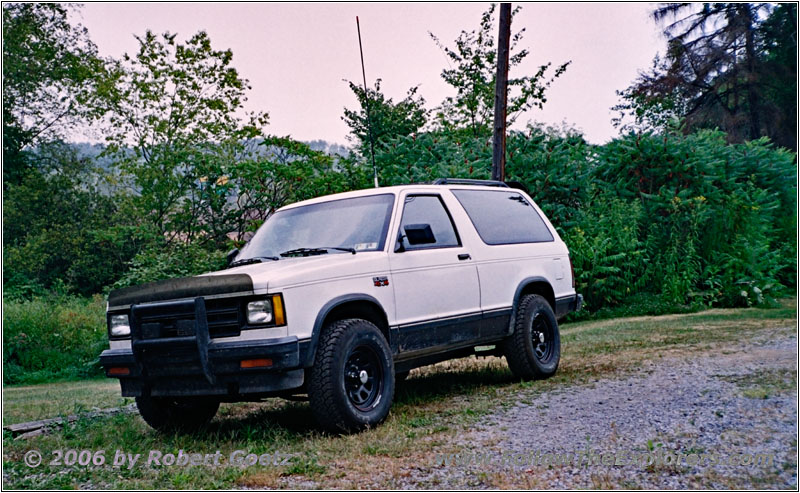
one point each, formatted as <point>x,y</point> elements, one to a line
<point>532,285</point>
<point>346,306</point>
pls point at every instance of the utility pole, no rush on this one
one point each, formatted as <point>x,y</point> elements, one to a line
<point>501,95</point>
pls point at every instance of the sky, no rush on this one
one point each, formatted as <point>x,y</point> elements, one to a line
<point>297,55</point>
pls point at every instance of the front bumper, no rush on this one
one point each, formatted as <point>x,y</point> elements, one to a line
<point>196,365</point>
<point>173,368</point>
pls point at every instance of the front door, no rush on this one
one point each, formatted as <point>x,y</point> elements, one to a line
<point>436,284</point>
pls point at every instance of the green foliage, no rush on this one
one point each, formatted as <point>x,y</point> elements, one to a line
<point>48,79</point>
<point>555,165</point>
<point>430,155</point>
<point>779,38</point>
<point>173,109</point>
<point>690,219</point>
<point>58,227</point>
<point>52,337</point>
<point>606,252</point>
<point>646,105</point>
<point>635,305</point>
<point>165,262</point>
<point>721,219</point>
<point>731,66</point>
<point>387,119</point>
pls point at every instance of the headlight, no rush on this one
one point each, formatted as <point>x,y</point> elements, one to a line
<point>120,327</point>
<point>259,312</point>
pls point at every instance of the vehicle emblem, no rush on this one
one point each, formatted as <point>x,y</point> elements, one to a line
<point>380,281</point>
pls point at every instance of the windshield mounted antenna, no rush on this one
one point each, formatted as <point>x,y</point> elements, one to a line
<point>366,100</point>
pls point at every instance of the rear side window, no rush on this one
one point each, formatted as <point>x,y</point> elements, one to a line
<point>503,217</point>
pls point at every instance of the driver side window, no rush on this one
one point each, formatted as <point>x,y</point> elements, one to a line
<point>429,210</point>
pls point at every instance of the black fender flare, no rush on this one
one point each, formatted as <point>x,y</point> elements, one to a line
<point>518,294</point>
<point>326,309</point>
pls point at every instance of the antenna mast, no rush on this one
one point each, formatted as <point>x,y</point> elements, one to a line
<point>366,99</point>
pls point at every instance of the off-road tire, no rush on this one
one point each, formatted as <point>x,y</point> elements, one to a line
<point>184,414</point>
<point>534,315</point>
<point>333,391</point>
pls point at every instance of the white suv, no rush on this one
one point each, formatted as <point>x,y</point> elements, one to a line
<point>339,297</point>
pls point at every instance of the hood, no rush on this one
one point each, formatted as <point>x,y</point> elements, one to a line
<point>180,288</point>
<point>249,278</point>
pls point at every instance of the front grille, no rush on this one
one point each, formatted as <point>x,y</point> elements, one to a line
<point>224,316</point>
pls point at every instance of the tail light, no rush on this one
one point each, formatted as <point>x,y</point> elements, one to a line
<point>572,270</point>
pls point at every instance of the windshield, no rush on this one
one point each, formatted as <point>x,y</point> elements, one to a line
<point>357,224</point>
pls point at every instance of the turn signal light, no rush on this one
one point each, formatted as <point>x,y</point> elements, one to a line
<point>256,363</point>
<point>119,371</point>
<point>277,307</point>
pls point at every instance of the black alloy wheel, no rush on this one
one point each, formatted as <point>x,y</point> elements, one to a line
<point>363,378</point>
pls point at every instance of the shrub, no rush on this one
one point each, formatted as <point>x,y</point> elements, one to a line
<point>52,337</point>
<point>606,252</point>
<point>179,260</point>
<point>721,219</point>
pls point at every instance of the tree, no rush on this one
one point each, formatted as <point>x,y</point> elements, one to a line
<point>283,171</point>
<point>720,62</point>
<point>60,229</point>
<point>647,105</point>
<point>779,41</point>
<point>388,119</point>
<point>48,71</point>
<point>473,73</point>
<point>172,109</point>
<point>720,70</point>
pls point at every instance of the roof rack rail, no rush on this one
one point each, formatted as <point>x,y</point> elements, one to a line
<point>518,186</point>
<point>467,181</point>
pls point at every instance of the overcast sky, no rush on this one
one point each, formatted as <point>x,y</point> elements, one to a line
<point>296,55</point>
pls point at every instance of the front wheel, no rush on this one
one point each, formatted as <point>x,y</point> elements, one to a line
<point>352,381</point>
<point>534,349</point>
<point>177,413</point>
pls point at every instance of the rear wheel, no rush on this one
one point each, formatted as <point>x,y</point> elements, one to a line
<point>352,381</point>
<point>177,413</point>
<point>533,351</point>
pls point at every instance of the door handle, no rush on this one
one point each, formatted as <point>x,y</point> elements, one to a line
<point>463,256</point>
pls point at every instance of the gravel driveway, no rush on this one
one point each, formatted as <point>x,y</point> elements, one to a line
<point>730,404</point>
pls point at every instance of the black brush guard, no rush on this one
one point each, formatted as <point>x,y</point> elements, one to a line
<point>191,363</point>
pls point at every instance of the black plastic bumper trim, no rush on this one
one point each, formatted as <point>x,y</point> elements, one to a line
<point>567,304</point>
<point>177,370</point>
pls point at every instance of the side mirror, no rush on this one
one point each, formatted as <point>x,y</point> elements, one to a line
<point>232,255</point>
<point>419,234</point>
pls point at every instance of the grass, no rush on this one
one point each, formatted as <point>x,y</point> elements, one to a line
<point>431,408</point>
<point>765,384</point>
<point>32,402</point>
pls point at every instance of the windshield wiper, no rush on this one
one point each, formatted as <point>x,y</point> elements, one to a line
<point>305,252</point>
<point>251,260</point>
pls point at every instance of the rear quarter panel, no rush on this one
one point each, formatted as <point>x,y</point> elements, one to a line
<point>502,268</point>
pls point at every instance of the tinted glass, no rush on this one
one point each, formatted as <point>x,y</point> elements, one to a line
<point>358,223</point>
<point>503,217</point>
<point>428,209</point>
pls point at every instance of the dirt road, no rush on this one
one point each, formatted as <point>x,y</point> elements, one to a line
<point>725,409</point>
